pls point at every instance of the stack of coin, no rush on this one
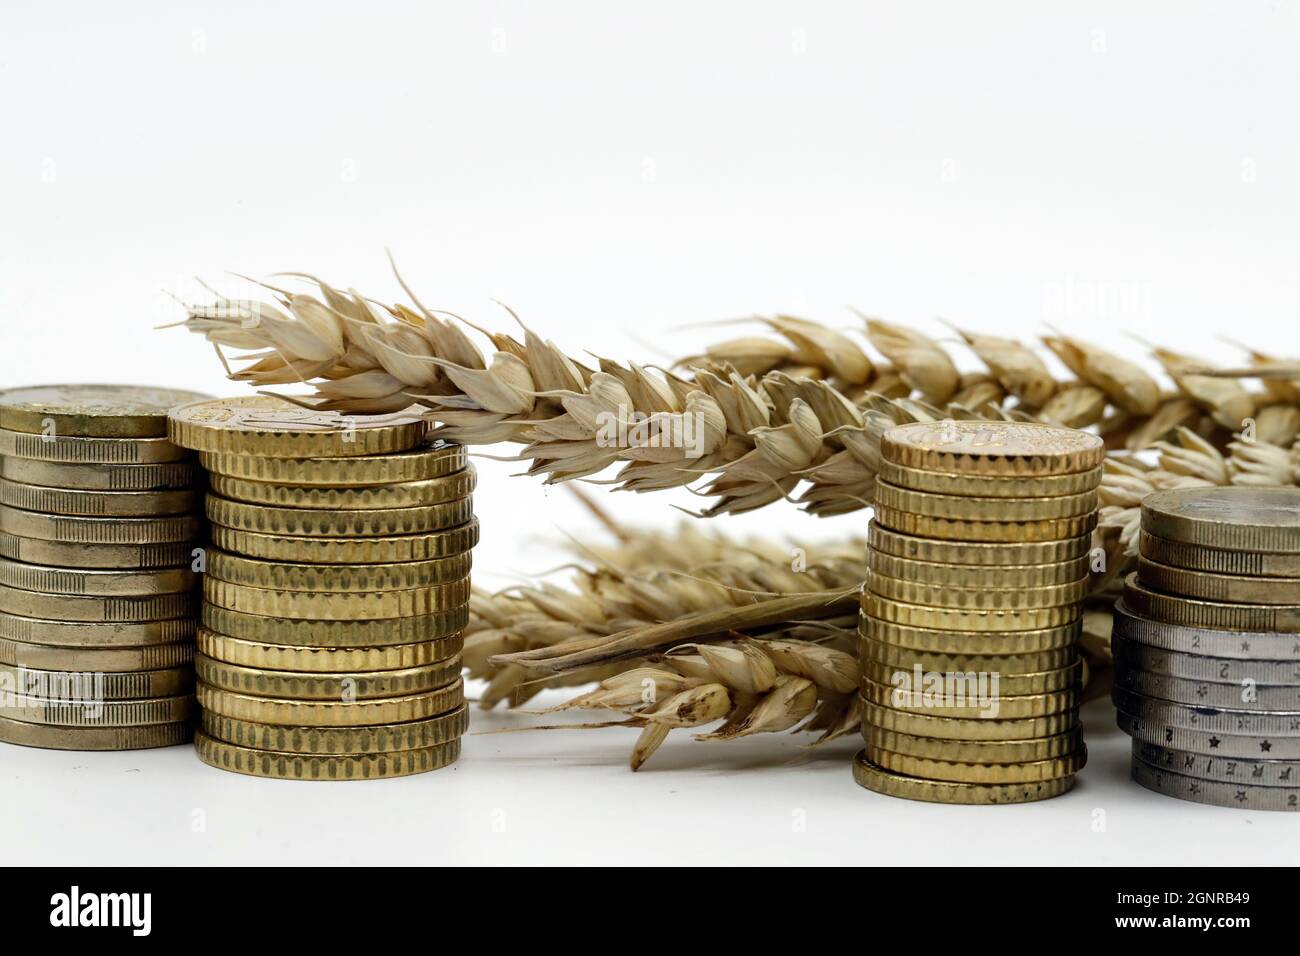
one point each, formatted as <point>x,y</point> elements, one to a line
<point>978,555</point>
<point>98,528</point>
<point>1207,647</point>
<point>336,591</point>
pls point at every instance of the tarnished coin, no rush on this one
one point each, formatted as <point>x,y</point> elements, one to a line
<point>96,451</point>
<point>384,738</point>
<point>107,659</point>
<point>133,531</point>
<point>977,699</point>
<point>1247,695</point>
<point>1216,615</point>
<point>405,494</point>
<point>1013,685</point>
<point>69,607</point>
<point>939,641</point>
<point>274,428</point>
<point>989,486</point>
<point>327,660</point>
<point>144,737</point>
<point>890,655</point>
<point>1218,587</point>
<point>877,779</point>
<point>323,550</point>
<point>280,575</point>
<point>1014,449</point>
<point>967,508</point>
<point>926,768</point>
<point>1217,670</point>
<point>978,576</point>
<point>72,554</point>
<point>91,411</point>
<point>1214,792</point>
<point>99,713</point>
<point>1221,720</point>
<point>431,459</point>
<point>1195,557</point>
<point>81,476</point>
<point>968,619</point>
<point>1236,517</point>
<point>65,633</point>
<point>314,633</point>
<point>337,605</point>
<point>29,577</point>
<point>881,539</point>
<point>1233,645</point>
<point>268,683</point>
<point>97,685</point>
<point>1012,532</point>
<point>67,501</point>
<point>1261,773</point>
<point>332,713</point>
<point>959,728</point>
<point>947,596</point>
<point>314,522</point>
<point>289,766</point>
<point>980,751</point>
<point>1250,746</point>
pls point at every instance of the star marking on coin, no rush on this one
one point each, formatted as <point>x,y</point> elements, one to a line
<point>1241,796</point>
<point>1202,690</point>
<point>1265,746</point>
<point>1194,788</point>
<point>1214,742</point>
<point>1245,646</point>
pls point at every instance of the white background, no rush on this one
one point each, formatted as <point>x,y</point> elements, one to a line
<point>622,174</point>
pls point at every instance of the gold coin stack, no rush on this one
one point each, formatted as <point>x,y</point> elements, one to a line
<point>336,591</point>
<point>978,554</point>
<point>98,529</point>
<point>1207,647</point>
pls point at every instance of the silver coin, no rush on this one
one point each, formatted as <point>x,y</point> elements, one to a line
<point>1215,792</point>
<point>1236,645</point>
<point>1220,720</point>
<point>1258,773</point>
<point>1207,741</point>
<point>1218,670</point>
<point>1247,695</point>
<point>93,477</point>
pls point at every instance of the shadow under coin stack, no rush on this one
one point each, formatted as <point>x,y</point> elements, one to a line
<point>1207,647</point>
<point>98,529</point>
<point>978,555</point>
<point>336,591</point>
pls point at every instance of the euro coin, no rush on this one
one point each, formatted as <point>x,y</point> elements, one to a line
<point>286,766</point>
<point>69,607</point>
<point>939,641</point>
<point>406,494</point>
<point>384,738</point>
<point>30,577</point>
<point>879,780</point>
<point>91,411</point>
<point>338,605</point>
<point>1236,517</point>
<point>82,476</point>
<point>961,728</point>
<point>327,660</point>
<point>119,531</point>
<point>1215,615</point>
<point>966,508</point>
<point>1009,532</point>
<point>94,451</point>
<point>68,633</point>
<point>1218,587</point>
<point>99,713</point>
<point>1195,557</point>
<point>989,486</point>
<point>947,596</point>
<point>1215,793</point>
<point>1014,449</point>
<point>1001,554</point>
<point>968,619</point>
<point>279,575</point>
<point>67,501</point>
<point>1229,645</point>
<point>117,659</point>
<point>981,751</point>
<point>97,685</point>
<point>144,737</point>
<point>324,550</point>
<point>978,576</point>
<point>268,683</point>
<point>318,633</point>
<point>362,712</point>
<point>72,554</point>
<point>1033,771</point>
<point>311,522</point>
<point>430,459</point>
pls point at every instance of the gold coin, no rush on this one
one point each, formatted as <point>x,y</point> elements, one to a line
<point>337,605</point>
<point>1218,587</point>
<point>95,451</point>
<point>1013,684</point>
<point>345,551</point>
<point>317,633</point>
<point>406,494</point>
<point>881,539</point>
<point>888,655</point>
<point>966,508</point>
<point>1195,557</point>
<point>274,428</point>
<point>107,659</point>
<point>1237,517</point>
<point>177,475</point>
<point>938,641</point>
<point>968,619</point>
<point>97,685</point>
<point>70,554</point>
<point>33,524</point>
<point>67,501</point>
<point>433,459</point>
<point>946,596</point>
<point>978,576</point>
<point>144,737</point>
<point>268,683</point>
<point>891,784</point>
<point>91,411</point>
<point>264,519</point>
<point>1033,771</point>
<point>70,607</point>
<point>980,702</point>
<point>332,713</point>
<point>960,728</point>
<point>30,577</point>
<point>278,575</point>
<point>386,738</point>
<point>1010,532</point>
<point>989,486</point>
<point>99,713</point>
<point>65,633</point>
<point>1215,615</point>
<point>1016,449</point>
<point>286,766</point>
<point>327,660</point>
<point>979,751</point>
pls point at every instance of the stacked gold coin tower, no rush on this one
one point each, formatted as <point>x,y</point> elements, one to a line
<point>336,591</point>
<point>1207,647</point>
<point>98,529</point>
<point>978,557</point>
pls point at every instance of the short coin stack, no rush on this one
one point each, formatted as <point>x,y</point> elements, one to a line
<point>98,528</point>
<point>336,591</point>
<point>1207,647</point>
<point>979,554</point>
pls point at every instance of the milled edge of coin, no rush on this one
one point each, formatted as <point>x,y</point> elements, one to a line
<point>1196,693</point>
<point>316,522</point>
<point>980,772</point>
<point>1256,773</point>
<point>91,451</point>
<point>960,728</point>
<point>340,660</point>
<point>107,659</point>
<point>965,619</point>
<point>112,713</point>
<point>285,766</point>
<point>976,553</point>
<point>1242,746</point>
<point>80,530</point>
<point>977,575</point>
<point>992,643</point>
<point>336,605</point>
<point>317,633</point>
<point>989,486</point>
<point>382,738</point>
<point>1012,685</point>
<point>52,737</point>
<point>88,476</point>
<point>92,582</point>
<point>1208,586</point>
<point>336,551</point>
<point>137,415</point>
<point>120,685</point>
<point>432,460</point>
<point>334,713</point>
<point>1033,662</point>
<point>80,503</point>
<point>1214,670</point>
<point>1210,642</point>
<point>1212,792</point>
<point>342,578</point>
<point>95,634</point>
<point>404,494</point>
<point>977,599</point>
<point>260,682</point>
<point>967,508</point>
<point>1214,615</point>
<point>102,557</point>
<point>879,780</point>
<point>1087,451</point>
<point>974,751</point>
<point>990,532</point>
<point>1008,707</point>
<point>1161,518</point>
<point>1223,720</point>
<point>1196,557</point>
<point>37,605</point>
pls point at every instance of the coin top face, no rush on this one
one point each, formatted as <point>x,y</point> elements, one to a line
<point>98,411</point>
<point>995,439</point>
<point>1236,504</point>
<point>265,413</point>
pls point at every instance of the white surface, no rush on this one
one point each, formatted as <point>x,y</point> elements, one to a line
<point>616,173</point>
